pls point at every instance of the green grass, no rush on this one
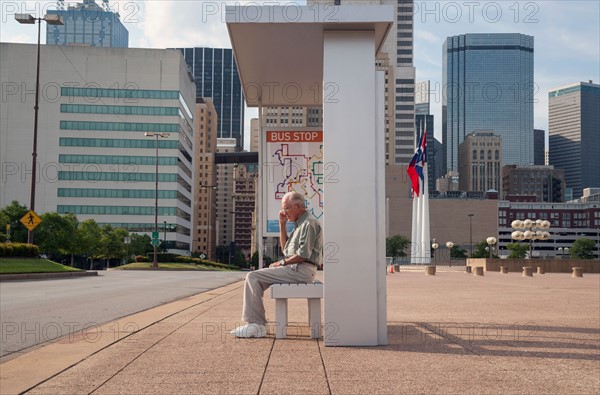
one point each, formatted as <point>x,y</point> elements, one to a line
<point>169,266</point>
<point>32,265</point>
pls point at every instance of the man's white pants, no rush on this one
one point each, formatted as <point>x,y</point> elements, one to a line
<point>258,281</point>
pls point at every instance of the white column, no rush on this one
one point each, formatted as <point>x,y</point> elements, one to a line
<point>354,163</point>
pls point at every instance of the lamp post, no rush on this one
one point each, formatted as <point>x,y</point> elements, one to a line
<point>127,240</point>
<point>210,244</point>
<point>29,19</point>
<point>435,246</point>
<point>529,231</point>
<point>563,251</point>
<point>155,239</point>
<point>471,232</point>
<point>449,245</point>
<point>491,241</point>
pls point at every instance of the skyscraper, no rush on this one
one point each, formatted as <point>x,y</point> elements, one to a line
<point>99,146</point>
<point>539,147</point>
<point>488,85</point>
<point>574,134</point>
<point>216,75</point>
<point>400,76</point>
<point>88,24</point>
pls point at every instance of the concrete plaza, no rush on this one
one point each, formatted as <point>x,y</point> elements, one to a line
<point>451,333</point>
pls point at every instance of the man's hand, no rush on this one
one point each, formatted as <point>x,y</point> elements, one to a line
<point>277,264</point>
<point>282,217</point>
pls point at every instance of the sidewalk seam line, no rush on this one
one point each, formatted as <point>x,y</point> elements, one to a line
<point>262,379</point>
<point>160,340</point>
<point>324,368</point>
<point>122,339</point>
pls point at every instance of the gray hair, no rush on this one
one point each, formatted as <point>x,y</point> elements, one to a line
<point>296,198</point>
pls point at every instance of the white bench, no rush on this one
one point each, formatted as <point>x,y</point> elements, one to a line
<point>311,291</point>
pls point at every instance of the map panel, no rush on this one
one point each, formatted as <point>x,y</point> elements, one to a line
<point>295,163</point>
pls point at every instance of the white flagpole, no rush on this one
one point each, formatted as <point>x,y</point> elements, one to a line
<point>415,219</point>
<point>425,236</point>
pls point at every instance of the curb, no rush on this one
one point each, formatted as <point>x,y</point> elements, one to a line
<point>45,276</point>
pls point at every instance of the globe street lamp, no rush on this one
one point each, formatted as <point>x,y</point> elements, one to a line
<point>155,233</point>
<point>449,245</point>
<point>29,19</point>
<point>491,241</point>
<point>563,251</point>
<point>435,246</point>
<point>471,233</point>
<point>530,230</point>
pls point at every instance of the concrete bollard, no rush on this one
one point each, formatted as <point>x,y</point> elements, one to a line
<point>430,270</point>
<point>504,269</point>
<point>528,271</point>
<point>478,271</point>
<point>577,272</point>
<point>541,270</point>
<point>468,269</point>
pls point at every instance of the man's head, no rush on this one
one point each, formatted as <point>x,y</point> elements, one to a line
<point>293,205</point>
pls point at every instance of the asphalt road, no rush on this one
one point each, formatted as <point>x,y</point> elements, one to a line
<point>36,312</point>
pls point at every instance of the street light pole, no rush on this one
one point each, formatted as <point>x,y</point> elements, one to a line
<point>471,232</point>
<point>29,19</point>
<point>154,244</point>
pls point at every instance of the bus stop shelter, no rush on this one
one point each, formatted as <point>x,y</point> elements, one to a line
<point>325,56</point>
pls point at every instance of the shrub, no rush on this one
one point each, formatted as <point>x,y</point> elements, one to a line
<point>21,250</point>
<point>141,258</point>
<point>164,257</point>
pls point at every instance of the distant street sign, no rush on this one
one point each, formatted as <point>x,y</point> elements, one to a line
<point>155,242</point>
<point>155,235</point>
<point>31,220</point>
<point>202,256</point>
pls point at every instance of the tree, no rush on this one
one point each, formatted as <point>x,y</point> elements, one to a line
<point>55,234</point>
<point>395,245</point>
<point>91,243</point>
<point>518,250</point>
<point>457,252</point>
<point>140,244</point>
<point>113,242</point>
<point>14,212</point>
<point>582,249</point>
<point>481,252</point>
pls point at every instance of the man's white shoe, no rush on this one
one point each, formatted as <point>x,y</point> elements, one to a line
<point>250,330</point>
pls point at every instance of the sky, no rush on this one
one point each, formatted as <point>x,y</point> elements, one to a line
<point>566,33</point>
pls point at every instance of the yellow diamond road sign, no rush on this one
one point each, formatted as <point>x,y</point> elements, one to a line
<point>31,220</point>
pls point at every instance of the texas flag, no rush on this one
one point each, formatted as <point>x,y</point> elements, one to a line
<point>415,167</point>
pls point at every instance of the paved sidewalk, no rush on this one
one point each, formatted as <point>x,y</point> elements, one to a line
<point>451,333</point>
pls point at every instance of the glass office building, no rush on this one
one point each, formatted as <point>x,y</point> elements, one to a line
<point>574,132</point>
<point>216,76</point>
<point>87,24</point>
<point>488,85</point>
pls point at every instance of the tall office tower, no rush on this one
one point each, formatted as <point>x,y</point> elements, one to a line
<point>398,48</point>
<point>292,117</point>
<point>244,199</point>
<point>574,130</point>
<point>422,122</point>
<point>98,146</point>
<point>539,147</point>
<point>205,179</point>
<point>224,221</point>
<point>254,135</point>
<point>87,24</point>
<point>422,98</point>
<point>488,85</point>
<point>545,182</point>
<point>479,158</point>
<point>216,75</point>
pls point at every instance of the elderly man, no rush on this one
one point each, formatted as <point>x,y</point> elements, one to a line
<point>302,253</point>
